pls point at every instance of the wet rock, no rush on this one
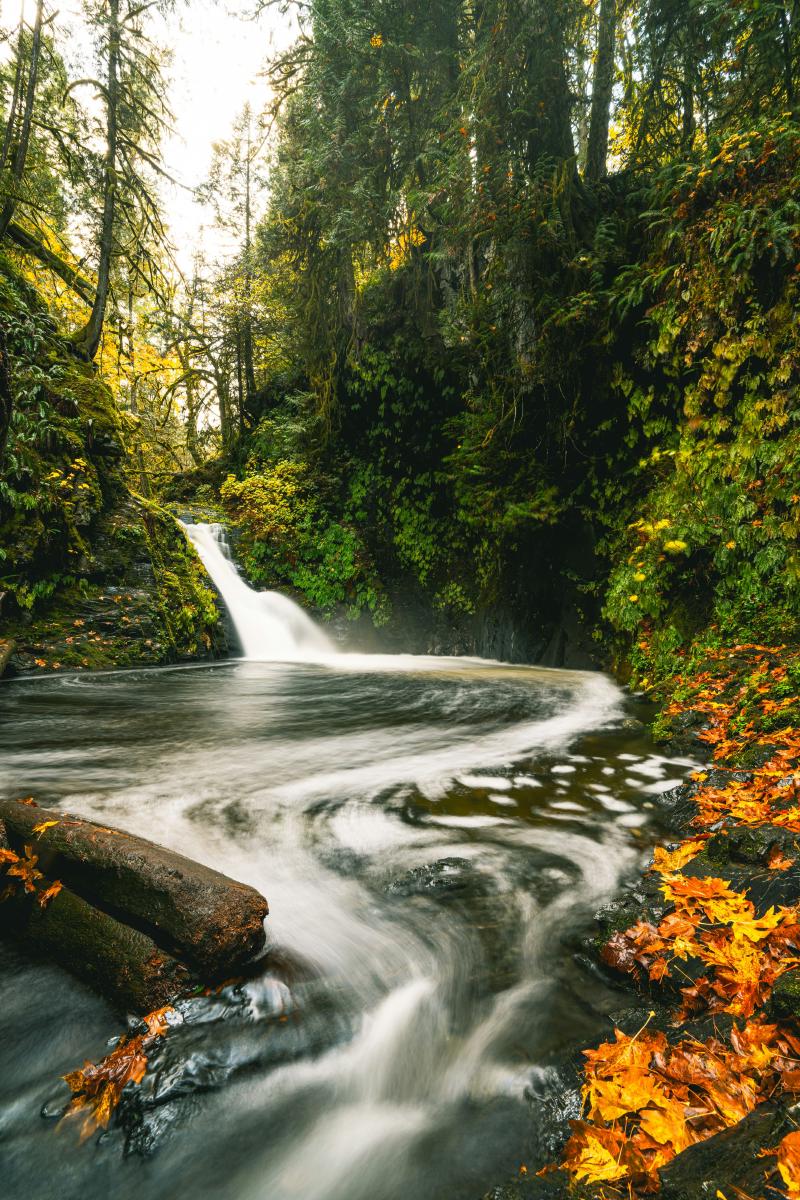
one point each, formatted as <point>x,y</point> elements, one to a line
<point>764,886</point>
<point>784,1003</point>
<point>642,901</point>
<point>257,1026</point>
<point>449,877</point>
<point>748,843</point>
<point>683,734</point>
<point>730,1162</point>
<point>677,807</point>
<point>550,1187</point>
<point>6,650</point>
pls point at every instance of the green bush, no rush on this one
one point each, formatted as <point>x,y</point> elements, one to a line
<point>290,537</point>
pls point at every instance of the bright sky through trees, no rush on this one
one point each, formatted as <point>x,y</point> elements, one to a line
<point>218,52</point>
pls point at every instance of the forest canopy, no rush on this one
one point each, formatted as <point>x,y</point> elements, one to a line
<point>511,284</point>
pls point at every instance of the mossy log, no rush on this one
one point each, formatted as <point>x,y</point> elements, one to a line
<point>6,650</point>
<point>212,922</point>
<point>121,963</point>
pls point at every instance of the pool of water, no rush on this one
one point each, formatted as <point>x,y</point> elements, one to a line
<point>432,835</point>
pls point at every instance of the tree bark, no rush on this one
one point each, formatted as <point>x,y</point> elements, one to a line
<point>602,88</point>
<point>21,151</point>
<point>87,341</point>
<point>550,100</point>
<point>6,396</point>
<point>202,916</point>
<point>11,122</point>
<point>120,962</point>
<point>247,332</point>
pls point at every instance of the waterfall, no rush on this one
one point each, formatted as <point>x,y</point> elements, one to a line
<point>270,627</point>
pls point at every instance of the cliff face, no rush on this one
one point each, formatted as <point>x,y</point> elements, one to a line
<point>91,575</point>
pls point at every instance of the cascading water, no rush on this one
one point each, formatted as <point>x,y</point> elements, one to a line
<point>430,834</point>
<point>271,627</point>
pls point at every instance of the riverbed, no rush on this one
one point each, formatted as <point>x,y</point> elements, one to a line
<point>433,836</point>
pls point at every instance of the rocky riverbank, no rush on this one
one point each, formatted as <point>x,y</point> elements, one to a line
<point>92,574</point>
<point>696,1093</point>
<point>142,598</point>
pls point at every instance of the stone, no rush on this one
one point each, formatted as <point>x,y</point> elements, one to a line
<point>784,1002</point>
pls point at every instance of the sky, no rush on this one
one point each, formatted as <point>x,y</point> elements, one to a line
<point>218,54</point>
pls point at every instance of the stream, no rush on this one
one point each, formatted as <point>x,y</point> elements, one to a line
<point>433,836</point>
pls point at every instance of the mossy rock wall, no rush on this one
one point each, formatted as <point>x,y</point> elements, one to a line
<point>91,575</point>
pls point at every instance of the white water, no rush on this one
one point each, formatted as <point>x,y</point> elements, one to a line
<point>396,1055</point>
<point>270,627</point>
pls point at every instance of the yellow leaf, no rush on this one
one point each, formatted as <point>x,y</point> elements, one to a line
<point>43,825</point>
<point>49,894</point>
<point>667,861</point>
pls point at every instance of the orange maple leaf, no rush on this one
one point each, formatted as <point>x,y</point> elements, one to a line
<point>96,1089</point>
<point>788,1152</point>
<point>49,893</point>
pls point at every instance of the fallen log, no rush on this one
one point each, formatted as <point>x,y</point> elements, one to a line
<point>213,923</point>
<point>120,962</point>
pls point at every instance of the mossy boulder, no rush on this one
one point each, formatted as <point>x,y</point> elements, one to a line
<point>142,598</point>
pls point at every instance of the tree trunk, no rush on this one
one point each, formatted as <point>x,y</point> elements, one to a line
<point>144,481</point>
<point>224,405</point>
<point>16,95</point>
<point>247,331</point>
<point>121,963</point>
<point>688,89</point>
<point>550,101</point>
<point>88,340</point>
<point>240,385</point>
<point>602,88</point>
<point>21,151</point>
<point>6,396</point>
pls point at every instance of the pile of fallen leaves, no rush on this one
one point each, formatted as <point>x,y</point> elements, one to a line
<point>646,1097</point>
<point>742,954</point>
<point>97,1088</point>
<point>646,1100</point>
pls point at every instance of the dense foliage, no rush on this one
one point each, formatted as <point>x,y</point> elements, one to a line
<point>509,321</point>
<point>75,544</point>
<point>497,355</point>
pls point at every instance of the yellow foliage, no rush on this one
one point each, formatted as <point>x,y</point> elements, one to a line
<point>400,250</point>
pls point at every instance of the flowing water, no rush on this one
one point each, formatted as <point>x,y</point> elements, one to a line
<point>433,836</point>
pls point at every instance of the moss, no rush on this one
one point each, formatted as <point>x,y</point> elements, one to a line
<point>785,999</point>
<point>185,605</point>
<point>93,576</point>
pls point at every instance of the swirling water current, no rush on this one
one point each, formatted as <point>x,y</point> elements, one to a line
<point>432,835</point>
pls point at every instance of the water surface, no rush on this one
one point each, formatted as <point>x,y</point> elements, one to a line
<point>431,834</point>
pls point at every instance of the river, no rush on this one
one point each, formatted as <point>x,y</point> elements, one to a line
<point>432,834</point>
